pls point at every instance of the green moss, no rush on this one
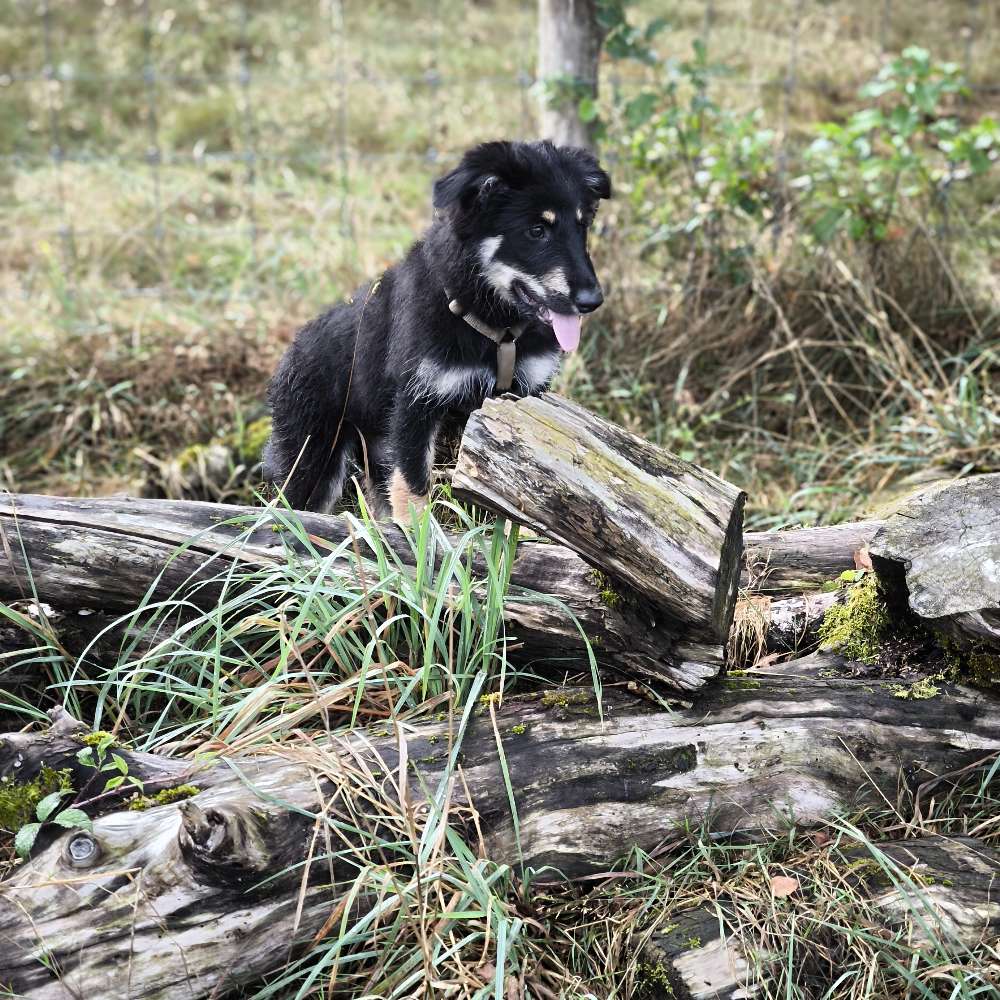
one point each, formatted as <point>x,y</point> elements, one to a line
<point>243,445</point>
<point>694,942</point>
<point>162,798</point>
<point>18,801</point>
<point>857,627</point>
<point>557,698</point>
<point>602,582</point>
<point>98,737</point>
<point>250,444</point>
<point>984,669</point>
<point>519,730</point>
<point>919,691</point>
<point>741,683</point>
<point>433,738</point>
<point>655,976</point>
<point>976,666</point>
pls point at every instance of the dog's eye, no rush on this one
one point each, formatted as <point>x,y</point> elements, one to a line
<point>537,233</point>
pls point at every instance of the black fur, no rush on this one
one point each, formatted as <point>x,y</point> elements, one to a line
<point>352,388</point>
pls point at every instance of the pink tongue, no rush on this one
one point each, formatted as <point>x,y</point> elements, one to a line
<point>567,330</point>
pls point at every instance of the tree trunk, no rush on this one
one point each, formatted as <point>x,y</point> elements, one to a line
<point>569,51</point>
<point>107,553</point>
<point>667,529</point>
<point>940,554</point>
<point>941,885</point>
<point>172,884</point>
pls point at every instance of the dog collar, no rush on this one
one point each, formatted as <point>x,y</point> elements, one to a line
<point>505,338</point>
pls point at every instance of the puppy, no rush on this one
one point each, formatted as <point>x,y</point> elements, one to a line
<point>482,304</point>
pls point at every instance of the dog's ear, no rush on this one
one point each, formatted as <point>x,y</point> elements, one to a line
<point>594,177</point>
<point>484,169</point>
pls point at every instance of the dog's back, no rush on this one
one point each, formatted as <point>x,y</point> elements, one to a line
<point>320,395</point>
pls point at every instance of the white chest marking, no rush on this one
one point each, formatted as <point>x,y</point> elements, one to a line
<point>432,381</point>
<point>534,372</point>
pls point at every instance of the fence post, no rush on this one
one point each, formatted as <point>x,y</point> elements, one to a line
<point>569,47</point>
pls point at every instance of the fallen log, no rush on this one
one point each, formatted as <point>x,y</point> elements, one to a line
<point>207,891</point>
<point>667,529</point>
<point>941,889</point>
<point>786,563</point>
<point>940,556</point>
<point>107,554</point>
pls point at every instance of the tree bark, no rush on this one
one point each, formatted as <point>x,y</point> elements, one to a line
<point>669,530</point>
<point>941,885</point>
<point>940,554</point>
<point>786,563</point>
<point>172,884</point>
<point>569,51</point>
<point>107,553</point>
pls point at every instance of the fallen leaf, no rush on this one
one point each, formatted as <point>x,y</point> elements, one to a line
<point>766,661</point>
<point>821,838</point>
<point>782,885</point>
<point>862,560</point>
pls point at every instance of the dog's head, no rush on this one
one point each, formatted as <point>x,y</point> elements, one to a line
<point>524,209</point>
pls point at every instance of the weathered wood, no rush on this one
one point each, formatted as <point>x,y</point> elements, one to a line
<point>941,554</point>
<point>107,553</point>
<point>942,888</point>
<point>168,883</point>
<point>786,563</point>
<point>669,530</point>
<point>569,49</point>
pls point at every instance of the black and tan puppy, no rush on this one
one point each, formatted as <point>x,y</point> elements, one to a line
<point>482,304</point>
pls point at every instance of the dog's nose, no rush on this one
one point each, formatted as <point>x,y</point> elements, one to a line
<point>588,299</point>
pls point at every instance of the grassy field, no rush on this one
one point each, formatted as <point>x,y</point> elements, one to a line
<point>273,160</point>
<point>227,169</point>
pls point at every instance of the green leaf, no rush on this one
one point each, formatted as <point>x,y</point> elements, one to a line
<point>44,808</point>
<point>25,838</point>
<point>640,109</point>
<point>113,783</point>
<point>904,119</point>
<point>979,161</point>
<point>86,756</point>
<point>869,118</point>
<point>587,109</point>
<point>119,763</point>
<point>827,224</point>
<point>70,818</point>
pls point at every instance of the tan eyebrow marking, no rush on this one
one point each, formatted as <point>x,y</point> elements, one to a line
<point>549,216</point>
<point>579,214</point>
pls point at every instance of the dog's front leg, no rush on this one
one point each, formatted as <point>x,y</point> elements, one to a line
<point>413,436</point>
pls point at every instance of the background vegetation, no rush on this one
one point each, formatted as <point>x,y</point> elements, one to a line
<point>802,267</point>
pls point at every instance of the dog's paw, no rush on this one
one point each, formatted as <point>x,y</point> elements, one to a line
<point>403,500</point>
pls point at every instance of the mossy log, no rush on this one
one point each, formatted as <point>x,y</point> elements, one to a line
<point>106,554</point>
<point>207,891</point>
<point>940,554</point>
<point>940,889</point>
<point>668,530</point>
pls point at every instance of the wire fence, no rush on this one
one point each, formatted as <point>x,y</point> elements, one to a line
<point>134,129</point>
